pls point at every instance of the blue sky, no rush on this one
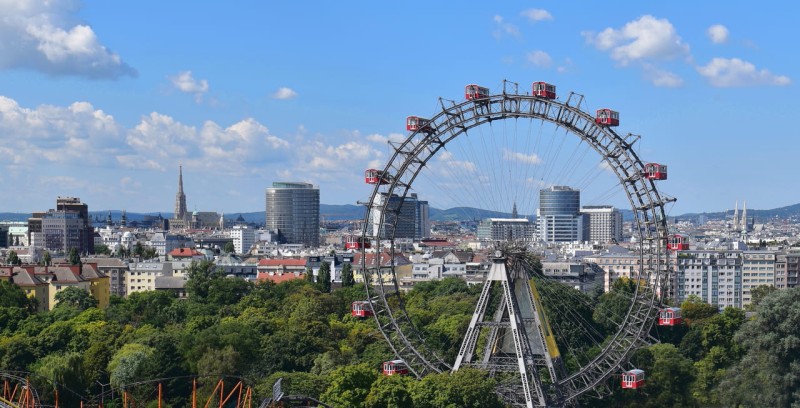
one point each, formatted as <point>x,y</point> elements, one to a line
<point>102,100</point>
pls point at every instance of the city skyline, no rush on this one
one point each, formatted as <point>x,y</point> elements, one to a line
<point>247,96</point>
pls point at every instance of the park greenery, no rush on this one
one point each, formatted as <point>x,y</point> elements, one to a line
<point>303,332</point>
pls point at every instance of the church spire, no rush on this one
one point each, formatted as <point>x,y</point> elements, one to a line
<point>736,217</point>
<point>514,214</point>
<point>180,197</point>
<point>744,217</point>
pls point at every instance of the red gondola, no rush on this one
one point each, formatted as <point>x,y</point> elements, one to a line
<point>394,367</point>
<point>544,90</point>
<point>373,176</point>
<point>356,242</point>
<point>607,117</point>
<point>361,308</point>
<point>633,379</point>
<point>472,92</point>
<point>670,316</point>
<point>416,123</point>
<point>677,242</point>
<point>655,171</point>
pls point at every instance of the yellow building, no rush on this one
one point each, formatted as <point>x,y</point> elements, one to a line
<point>33,287</point>
<point>62,277</point>
<point>99,284</point>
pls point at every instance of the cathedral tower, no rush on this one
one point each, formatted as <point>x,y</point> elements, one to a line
<point>180,198</point>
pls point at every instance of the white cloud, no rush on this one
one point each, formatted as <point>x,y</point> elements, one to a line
<point>503,28</point>
<point>185,82</point>
<point>538,183</point>
<point>734,72</point>
<point>603,165</point>
<point>239,149</point>
<point>381,139</point>
<point>647,38</point>
<point>521,157</point>
<point>718,34</point>
<point>319,161</point>
<point>540,58</point>
<point>78,133</point>
<point>284,93</point>
<point>537,14</point>
<point>447,164</point>
<point>662,78</point>
<point>45,36</point>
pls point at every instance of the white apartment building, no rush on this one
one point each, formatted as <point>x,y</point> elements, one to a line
<point>758,269</point>
<point>244,238</point>
<point>713,276</point>
<point>605,223</point>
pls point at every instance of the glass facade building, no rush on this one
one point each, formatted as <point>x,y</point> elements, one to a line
<point>558,217</point>
<point>293,213</point>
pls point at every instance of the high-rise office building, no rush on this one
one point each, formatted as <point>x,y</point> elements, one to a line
<point>293,212</point>
<point>408,216</point>
<point>604,223</point>
<point>66,227</point>
<point>558,216</point>
<point>74,204</point>
<point>423,220</point>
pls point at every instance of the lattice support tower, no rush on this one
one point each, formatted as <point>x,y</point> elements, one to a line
<point>516,336</point>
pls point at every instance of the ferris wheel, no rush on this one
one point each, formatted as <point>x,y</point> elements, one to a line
<point>498,151</point>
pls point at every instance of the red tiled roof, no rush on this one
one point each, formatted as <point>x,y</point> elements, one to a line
<point>282,262</point>
<point>437,244</point>
<point>184,253</point>
<point>280,277</point>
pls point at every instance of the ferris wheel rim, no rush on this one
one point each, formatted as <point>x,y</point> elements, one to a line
<point>456,120</point>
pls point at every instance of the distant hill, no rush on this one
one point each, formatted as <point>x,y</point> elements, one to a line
<point>7,216</point>
<point>464,214</point>
<point>355,212</point>
<point>781,212</point>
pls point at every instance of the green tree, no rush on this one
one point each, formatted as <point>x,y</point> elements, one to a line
<point>75,297</point>
<point>229,248</point>
<point>201,275</point>
<point>47,259</point>
<point>350,386</point>
<point>391,392</point>
<point>613,305</point>
<point>309,274</point>
<point>13,259</point>
<point>66,370</point>
<point>768,375</point>
<point>347,275</point>
<point>216,362</point>
<point>102,249</point>
<point>466,388</point>
<point>150,253</point>
<point>695,308</point>
<point>73,256</point>
<point>129,364</point>
<point>226,291</point>
<point>758,294</point>
<point>668,378</point>
<point>324,277</point>
<point>138,249</point>
<point>12,295</point>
